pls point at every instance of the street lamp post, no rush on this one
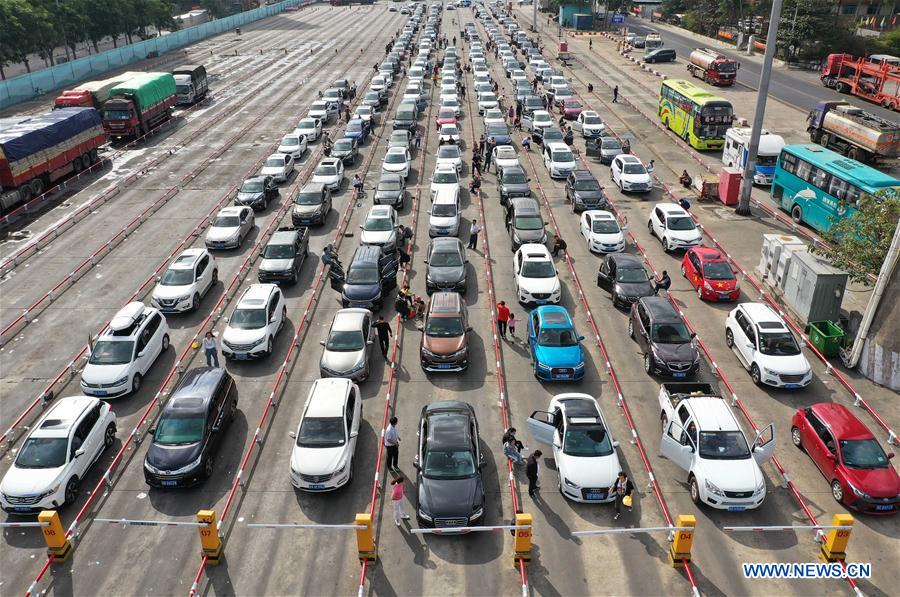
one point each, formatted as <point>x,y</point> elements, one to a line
<point>743,207</point>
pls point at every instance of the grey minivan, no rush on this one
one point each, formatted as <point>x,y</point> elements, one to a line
<point>405,118</point>
<point>660,55</point>
<point>667,343</point>
<point>524,222</point>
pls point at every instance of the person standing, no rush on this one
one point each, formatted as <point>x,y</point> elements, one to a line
<point>651,167</point>
<point>502,318</point>
<point>384,334</point>
<point>418,138</point>
<point>622,487</point>
<point>392,444</point>
<point>531,471</point>
<point>511,324</point>
<point>488,154</point>
<point>616,94</point>
<point>590,44</point>
<point>211,350</point>
<point>473,234</point>
<point>397,499</point>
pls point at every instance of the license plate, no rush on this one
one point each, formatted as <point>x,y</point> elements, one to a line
<point>219,245</point>
<point>168,482</point>
<point>21,508</point>
<point>317,486</point>
<point>540,302</point>
<point>305,221</point>
<point>679,374</point>
<point>736,508</point>
<point>792,385</point>
<point>884,507</point>
<point>596,496</point>
<point>100,392</point>
<point>167,309</point>
<point>443,232</point>
<point>443,366</point>
<point>724,297</point>
<point>561,376</point>
<point>241,357</point>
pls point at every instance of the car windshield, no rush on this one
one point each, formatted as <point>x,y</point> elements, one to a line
<point>446,178</point>
<point>680,223</point>
<point>326,170</point>
<point>227,222</point>
<point>448,151</point>
<point>631,275</point>
<point>345,341</point>
<point>538,269</point>
<point>175,430</point>
<point>116,114</point>
<point>587,440</point>
<point>592,120</point>
<point>342,146</point>
<point>779,344</point>
<point>306,125</point>
<point>177,277</point>
<point>444,327</point>
<point>449,464</point>
<point>378,224</point>
<point>557,337</point>
<point>445,113</point>
<point>112,352</point>
<point>487,97</point>
<point>389,185</point>
<point>290,141</point>
<point>552,134</point>
<point>539,118</point>
<point>670,333</point>
<point>321,432</point>
<point>513,177</point>
<point>497,130</point>
<point>362,275</point>
<point>372,96</point>
<point>449,130</point>
<point>587,184</point>
<point>445,259</point>
<point>610,143</point>
<point>278,252</point>
<point>529,223</point>
<point>723,445</point>
<point>308,198</point>
<point>572,105</point>
<point>247,319</point>
<point>443,210</point>
<point>42,452</point>
<point>605,226</point>
<point>863,454</point>
<point>717,270</point>
<point>355,127</point>
<point>634,169</point>
<point>253,186</point>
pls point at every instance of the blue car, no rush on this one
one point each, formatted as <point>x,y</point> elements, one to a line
<point>358,129</point>
<point>555,346</point>
<point>500,133</point>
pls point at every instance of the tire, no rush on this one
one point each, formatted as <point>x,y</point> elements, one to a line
<point>683,272</point>
<point>269,347</point>
<point>208,467</point>
<point>695,490</point>
<point>665,245</point>
<point>71,492</point>
<point>837,491</point>
<point>165,343</point>
<point>797,214</point>
<point>37,186</point>
<point>755,375</point>
<point>700,292</point>
<point>631,328</point>
<point>109,436</point>
<point>233,410</point>
<point>796,439</point>
<point>648,364</point>
<point>76,165</point>
<point>729,338</point>
<point>195,304</point>
<point>135,383</point>
<point>815,135</point>
<point>215,278</point>
<point>650,228</point>
<point>856,154</point>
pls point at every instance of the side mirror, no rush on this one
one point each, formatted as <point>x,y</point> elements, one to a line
<point>360,226</point>
<point>272,319</point>
<point>79,452</point>
<point>615,443</point>
<point>580,338</point>
<point>293,434</point>
<point>556,441</point>
<point>693,336</point>
<point>354,433</point>
<point>890,455</point>
<point>469,328</point>
<point>142,353</point>
<point>688,449</point>
<point>322,342</point>
<point>370,342</point>
<point>216,428</point>
<point>152,431</point>
<point>158,278</point>
<point>828,455</point>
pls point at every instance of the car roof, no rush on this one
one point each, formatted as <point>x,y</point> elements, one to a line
<point>535,252</point>
<point>400,150</point>
<point>843,423</point>
<point>256,296</point>
<point>553,316</point>
<point>380,211</point>
<point>445,302</point>
<point>231,211</point>
<point>349,319</point>
<point>195,389</point>
<point>329,161</point>
<point>62,415</point>
<point>669,208</point>
<point>600,214</point>
<point>390,177</point>
<point>708,254</point>
<point>582,173</point>
<point>661,310</point>
<point>713,414</point>
<point>761,313</point>
<point>445,242</point>
<point>312,187</point>
<point>187,259</point>
<point>262,178</point>
<point>446,195</point>
<point>126,317</point>
<point>625,260</point>
<point>327,397</point>
<point>283,237</point>
<point>445,167</point>
<point>579,406</point>
<point>557,146</point>
<point>367,253</point>
<point>448,423</point>
<point>627,157</point>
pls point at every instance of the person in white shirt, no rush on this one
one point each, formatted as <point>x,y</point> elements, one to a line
<point>473,234</point>
<point>211,350</point>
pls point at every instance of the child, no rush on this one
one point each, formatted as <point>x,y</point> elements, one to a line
<point>397,499</point>
<point>511,324</point>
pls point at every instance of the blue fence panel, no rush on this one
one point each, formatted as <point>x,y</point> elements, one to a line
<point>26,87</point>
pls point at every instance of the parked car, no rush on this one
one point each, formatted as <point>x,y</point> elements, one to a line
<point>589,124</point>
<point>257,318</point>
<point>494,116</point>
<point>849,456</point>
<point>660,55</point>
<point>284,255</point>
<point>120,357</point>
<point>346,150</point>
<point>399,138</point>
<point>311,128</point>
<point>674,227</point>
<point>665,340</point>
<point>449,133</point>
<point>710,273</point>
<point>554,345</point>
<point>358,129</point>
<point>380,228</point>
<point>605,148</point>
<point>293,145</point>
<point>570,108</point>
<point>397,161</point>
<point>504,156</point>
<point>187,279</point>
<point>312,204</point>
<point>57,454</point>
<point>499,132</point>
<point>279,166</point>
<point>329,172</point>
<point>558,159</point>
<point>257,192</point>
<point>584,192</point>
<point>630,175</point>
<point>190,431</point>
<point>449,156</point>
<point>445,345</point>
<point>625,278</point>
<point>348,345</point>
<point>512,182</point>
<point>370,275</point>
<point>230,227</point>
<point>537,282</point>
<point>447,271</point>
<point>444,213</point>
<point>445,179</point>
<point>391,190</point>
<point>602,232</point>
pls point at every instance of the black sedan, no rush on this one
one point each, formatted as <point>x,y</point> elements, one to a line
<point>625,278</point>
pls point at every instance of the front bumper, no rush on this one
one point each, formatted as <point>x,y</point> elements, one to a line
<point>223,244</point>
<point>587,495</point>
<point>676,370</point>
<point>603,248</point>
<point>173,305</point>
<point>106,390</point>
<point>243,352</point>
<point>788,382</point>
<point>164,481</point>
<point>317,217</point>
<point>277,277</point>
<point>440,364</point>
<point>715,295</point>
<point>559,373</point>
<point>871,505</point>
<point>636,188</point>
<point>539,298</point>
<point>734,504</point>
<point>432,287</point>
<point>31,504</point>
<point>320,483</point>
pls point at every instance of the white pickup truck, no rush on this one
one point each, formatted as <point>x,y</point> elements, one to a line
<point>701,435</point>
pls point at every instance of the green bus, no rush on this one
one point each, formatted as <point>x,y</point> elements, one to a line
<point>819,187</point>
<point>694,114</point>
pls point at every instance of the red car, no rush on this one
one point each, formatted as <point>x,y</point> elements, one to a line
<point>711,274</point>
<point>849,456</point>
<point>570,108</point>
<point>446,116</point>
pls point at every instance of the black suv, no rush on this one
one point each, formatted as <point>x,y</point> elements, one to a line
<point>450,490</point>
<point>512,182</point>
<point>391,190</point>
<point>284,255</point>
<point>667,343</point>
<point>190,429</point>
<point>370,275</point>
<point>346,150</point>
<point>584,191</point>
<point>625,278</point>
<point>256,192</point>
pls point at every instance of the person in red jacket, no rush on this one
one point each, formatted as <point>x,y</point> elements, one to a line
<point>502,318</point>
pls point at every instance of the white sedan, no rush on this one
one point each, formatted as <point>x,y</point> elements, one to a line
<point>311,128</point>
<point>397,161</point>
<point>279,166</point>
<point>365,113</point>
<point>505,156</point>
<point>293,145</point>
<point>494,116</point>
<point>537,282</point>
<point>449,156</point>
<point>602,232</point>
<point>449,133</point>
<point>486,101</point>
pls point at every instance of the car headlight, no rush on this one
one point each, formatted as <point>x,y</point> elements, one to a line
<point>183,298</point>
<point>569,483</point>
<point>357,368</point>
<point>543,366</point>
<point>761,487</point>
<point>858,492</point>
<point>476,514</point>
<point>712,488</point>
<point>258,341</point>
<point>152,468</point>
<point>428,353</point>
<point>424,516</point>
<point>707,285</point>
<point>188,467</point>
<point>459,353</point>
<point>579,366</point>
<point>120,381</point>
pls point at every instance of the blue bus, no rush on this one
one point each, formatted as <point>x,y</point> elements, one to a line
<point>819,187</point>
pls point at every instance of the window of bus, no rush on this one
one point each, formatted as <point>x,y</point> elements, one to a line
<point>715,119</point>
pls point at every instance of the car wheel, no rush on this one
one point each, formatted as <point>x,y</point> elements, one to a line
<point>215,278</point>
<point>755,374</point>
<point>695,490</point>
<point>665,244</point>
<point>650,228</point>
<point>797,214</point>
<point>795,437</point>
<point>136,383</point>
<point>837,491</point>
<point>683,272</point>
<point>631,328</point>
<point>165,343</point>
<point>195,304</point>
<point>648,363</point>
<point>700,292</point>
<point>233,412</point>
<point>269,346</point>
<point>71,493</point>
<point>109,436</point>
<point>208,467</point>
<point>729,338</point>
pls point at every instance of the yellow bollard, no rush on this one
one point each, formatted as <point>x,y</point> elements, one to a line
<point>365,538</point>
<point>523,539</point>
<point>684,540</point>
<point>209,537</point>
<point>58,546</point>
<point>834,548</point>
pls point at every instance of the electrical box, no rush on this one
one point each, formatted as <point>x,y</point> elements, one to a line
<point>813,288</point>
<point>729,185</point>
<point>772,248</point>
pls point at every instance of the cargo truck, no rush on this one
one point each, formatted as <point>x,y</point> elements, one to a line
<point>737,149</point>
<point>91,94</point>
<point>849,130</point>
<point>37,151</point>
<point>190,83</point>
<point>652,42</point>
<point>712,67</point>
<point>876,78</point>
<point>139,104</point>
<point>701,435</point>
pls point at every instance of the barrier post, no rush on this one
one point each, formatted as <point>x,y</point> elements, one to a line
<point>365,538</point>
<point>834,548</point>
<point>58,545</point>
<point>209,537</point>
<point>680,551</point>
<point>522,550</point>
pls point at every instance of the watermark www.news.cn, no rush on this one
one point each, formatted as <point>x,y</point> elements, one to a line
<point>802,570</point>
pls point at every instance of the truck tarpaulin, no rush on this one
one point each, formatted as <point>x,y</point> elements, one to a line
<point>42,132</point>
<point>148,89</point>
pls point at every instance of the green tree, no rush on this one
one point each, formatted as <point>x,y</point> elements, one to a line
<point>804,25</point>
<point>860,242</point>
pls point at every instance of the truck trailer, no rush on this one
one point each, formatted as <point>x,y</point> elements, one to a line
<point>849,130</point>
<point>712,67</point>
<point>37,151</point>
<point>875,80</point>
<point>91,94</point>
<point>139,104</point>
<point>190,83</point>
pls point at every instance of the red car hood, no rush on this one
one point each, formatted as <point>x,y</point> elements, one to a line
<point>450,120</point>
<point>878,483</point>
<point>723,285</point>
<point>572,111</point>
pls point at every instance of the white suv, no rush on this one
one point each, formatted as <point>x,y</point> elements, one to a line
<point>674,227</point>
<point>396,161</point>
<point>558,159</point>
<point>125,351</point>
<point>630,175</point>
<point>536,278</point>
<point>765,347</point>
<point>602,232</point>
<point>185,281</point>
<point>380,228</point>
<point>322,457</point>
<point>444,220</point>
<point>256,320</point>
<point>57,454</point>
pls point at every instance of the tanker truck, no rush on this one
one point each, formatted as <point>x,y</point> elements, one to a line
<point>849,130</point>
<point>139,104</point>
<point>712,67</point>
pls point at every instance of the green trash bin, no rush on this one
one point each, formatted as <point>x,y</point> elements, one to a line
<point>827,337</point>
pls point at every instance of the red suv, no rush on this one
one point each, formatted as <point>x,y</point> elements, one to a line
<point>849,456</point>
<point>711,274</point>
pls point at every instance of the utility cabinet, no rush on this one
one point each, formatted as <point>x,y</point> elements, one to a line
<point>775,257</point>
<point>813,288</point>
